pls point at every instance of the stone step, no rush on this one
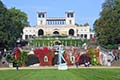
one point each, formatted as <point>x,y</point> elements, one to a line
<point>3,64</point>
<point>116,63</point>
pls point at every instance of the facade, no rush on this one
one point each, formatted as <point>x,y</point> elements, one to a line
<point>57,26</point>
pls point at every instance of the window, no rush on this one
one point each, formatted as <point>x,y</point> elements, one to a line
<point>70,22</point>
<point>41,22</point>
<point>70,15</point>
<point>40,32</point>
<point>67,15</point>
<point>26,36</point>
<point>41,15</point>
<point>30,36</point>
<point>33,36</point>
<point>91,36</point>
<point>71,32</point>
<point>85,36</point>
<point>81,35</point>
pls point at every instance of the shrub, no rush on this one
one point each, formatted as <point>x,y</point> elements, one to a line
<point>93,56</point>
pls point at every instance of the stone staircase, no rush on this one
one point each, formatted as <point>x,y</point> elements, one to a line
<point>95,45</point>
<point>91,44</point>
<point>116,63</point>
<point>2,64</point>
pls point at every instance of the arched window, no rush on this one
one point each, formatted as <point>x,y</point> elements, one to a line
<point>91,36</point>
<point>26,36</point>
<point>71,32</point>
<point>55,32</point>
<point>85,36</point>
<point>40,32</point>
<point>81,35</point>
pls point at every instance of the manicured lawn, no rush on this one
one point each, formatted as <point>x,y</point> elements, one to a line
<point>53,74</point>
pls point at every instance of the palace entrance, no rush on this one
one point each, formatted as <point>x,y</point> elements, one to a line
<point>40,32</point>
<point>56,32</point>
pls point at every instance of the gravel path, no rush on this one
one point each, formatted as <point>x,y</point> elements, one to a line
<point>54,67</point>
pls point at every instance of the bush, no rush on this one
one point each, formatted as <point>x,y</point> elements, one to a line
<point>51,42</point>
<point>20,61</point>
<point>93,56</point>
<point>10,58</point>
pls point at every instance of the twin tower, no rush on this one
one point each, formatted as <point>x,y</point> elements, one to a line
<point>69,19</point>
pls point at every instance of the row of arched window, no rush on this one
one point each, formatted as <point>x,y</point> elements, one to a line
<point>41,32</point>
<point>71,32</point>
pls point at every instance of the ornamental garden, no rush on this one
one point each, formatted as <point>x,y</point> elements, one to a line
<point>42,52</point>
<point>39,44</point>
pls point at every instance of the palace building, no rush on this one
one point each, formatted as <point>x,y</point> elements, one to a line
<point>47,26</point>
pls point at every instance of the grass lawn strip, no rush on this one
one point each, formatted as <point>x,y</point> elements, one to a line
<point>54,74</point>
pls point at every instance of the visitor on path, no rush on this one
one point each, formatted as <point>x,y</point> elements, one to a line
<point>87,63</point>
<point>116,54</point>
<point>17,67</point>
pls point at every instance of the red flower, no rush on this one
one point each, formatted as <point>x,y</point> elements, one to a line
<point>17,53</point>
<point>41,53</point>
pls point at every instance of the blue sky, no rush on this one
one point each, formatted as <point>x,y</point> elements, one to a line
<point>85,10</point>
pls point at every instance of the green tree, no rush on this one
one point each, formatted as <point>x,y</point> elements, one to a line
<point>3,12</point>
<point>12,22</point>
<point>4,26</point>
<point>19,21</point>
<point>107,27</point>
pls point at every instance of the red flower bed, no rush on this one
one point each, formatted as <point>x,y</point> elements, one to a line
<point>43,54</point>
<point>49,53</point>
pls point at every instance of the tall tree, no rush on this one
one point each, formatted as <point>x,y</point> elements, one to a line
<point>12,22</point>
<point>3,12</point>
<point>18,22</point>
<point>107,27</point>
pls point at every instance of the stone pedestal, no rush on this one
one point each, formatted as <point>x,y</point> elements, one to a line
<point>10,65</point>
<point>62,66</point>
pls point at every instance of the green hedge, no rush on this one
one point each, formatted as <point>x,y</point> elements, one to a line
<point>51,42</point>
